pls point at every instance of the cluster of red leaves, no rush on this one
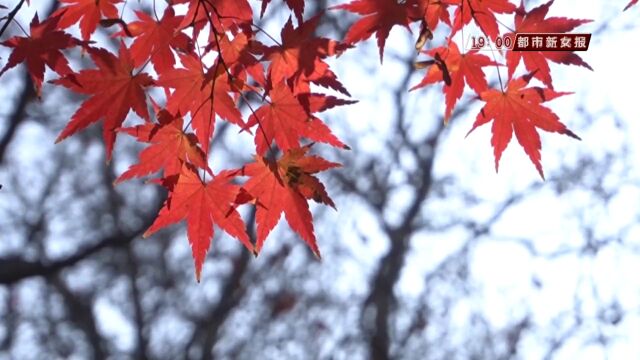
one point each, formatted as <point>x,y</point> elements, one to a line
<point>278,81</point>
<point>514,108</point>
<point>274,77</point>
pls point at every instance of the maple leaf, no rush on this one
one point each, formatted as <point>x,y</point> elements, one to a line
<point>458,69</point>
<point>314,102</point>
<point>317,130</point>
<point>296,5</point>
<point>87,12</point>
<point>41,48</point>
<point>518,110</point>
<point>238,56</point>
<point>114,90</point>
<point>170,148</point>
<point>435,11</point>
<point>202,205</point>
<point>534,22</point>
<point>285,120</point>
<point>483,14</point>
<point>201,94</point>
<point>219,13</point>
<point>633,2</point>
<point>379,17</point>
<point>284,187</point>
<point>300,57</point>
<point>155,39</point>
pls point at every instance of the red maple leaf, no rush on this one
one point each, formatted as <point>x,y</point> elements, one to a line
<point>170,148</point>
<point>379,17</point>
<point>114,90</point>
<point>534,22</point>
<point>518,110</point>
<point>314,102</point>
<point>155,39</point>
<point>296,5</point>
<point>88,12</point>
<point>316,129</point>
<point>457,69</point>
<point>202,205</point>
<point>222,14</point>
<point>239,57</point>
<point>201,94</point>
<point>483,14</point>
<point>633,2</point>
<point>284,119</point>
<point>284,187</point>
<point>435,11</point>
<point>41,48</point>
<point>300,55</point>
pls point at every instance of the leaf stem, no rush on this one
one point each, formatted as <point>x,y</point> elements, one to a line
<point>497,67</point>
<point>229,75</point>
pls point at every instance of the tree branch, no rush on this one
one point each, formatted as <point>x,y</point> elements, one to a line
<point>11,16</point>
<point>14,269</point>
<point>18,116</point>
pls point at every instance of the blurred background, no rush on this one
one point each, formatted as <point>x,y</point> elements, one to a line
<point>430,255</point>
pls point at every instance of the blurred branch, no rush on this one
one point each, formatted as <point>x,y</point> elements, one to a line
<point>10,321</point>
<point>81,314</point>
<point>18,116</point>
<point>233,291</point>
<point>378,306</point>
<point>14,269</point>
<point>141,336</point>
<point>209,326</point>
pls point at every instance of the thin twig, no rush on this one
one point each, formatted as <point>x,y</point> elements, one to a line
<point>10,17</point>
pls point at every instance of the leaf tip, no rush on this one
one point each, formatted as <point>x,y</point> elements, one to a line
<point>541,173</point>
<point>313,246</point>
<point>572,134</point>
